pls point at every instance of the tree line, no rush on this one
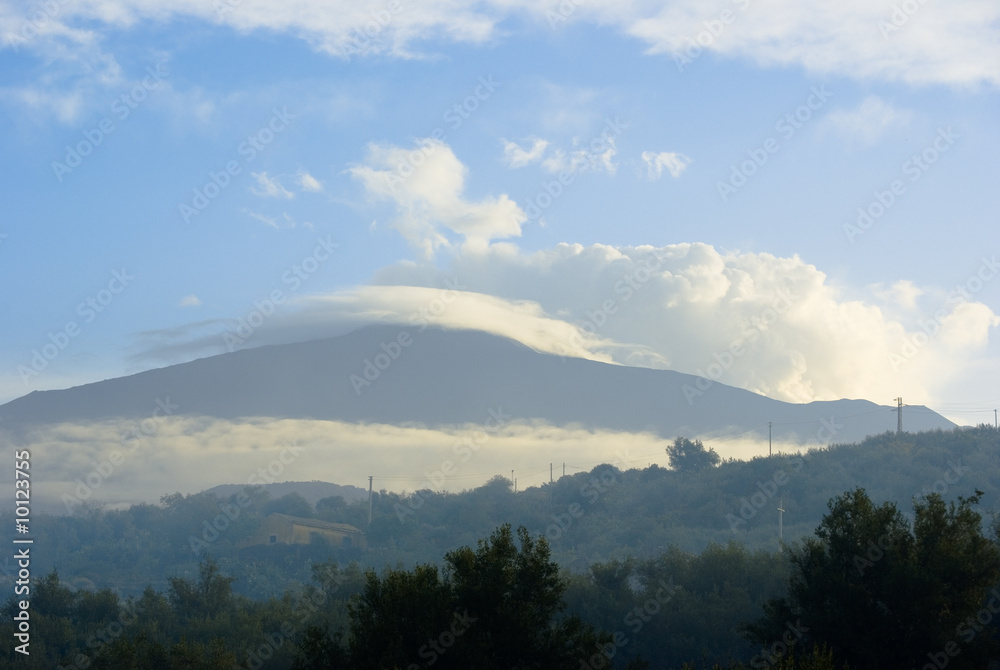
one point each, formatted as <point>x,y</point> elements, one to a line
<point>871,589</point>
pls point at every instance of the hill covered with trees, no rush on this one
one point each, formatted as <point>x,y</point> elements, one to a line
<point>683,563</point>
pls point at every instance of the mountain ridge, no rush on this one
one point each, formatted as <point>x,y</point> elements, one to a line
<point>389,374</point>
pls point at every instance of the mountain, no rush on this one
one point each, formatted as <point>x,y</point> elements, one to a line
<point>397,375</point>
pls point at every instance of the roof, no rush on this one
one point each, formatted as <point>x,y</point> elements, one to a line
<point>317,523</point>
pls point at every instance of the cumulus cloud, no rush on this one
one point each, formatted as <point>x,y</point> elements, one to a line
<point>673,162</point>
<point>269,187</point>
<point>426,184</point>
<point>868,122</point>
<point>516,157</point>
<point>784,329</point>
<point>769,324</point>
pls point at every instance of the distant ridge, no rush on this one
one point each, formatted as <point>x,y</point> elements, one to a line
<point>311,491</point>
<point>450,377</point>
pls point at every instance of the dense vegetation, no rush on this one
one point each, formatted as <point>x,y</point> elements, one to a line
<point>602,573</point>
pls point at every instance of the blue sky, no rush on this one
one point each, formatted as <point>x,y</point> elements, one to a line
<point>736,168</point>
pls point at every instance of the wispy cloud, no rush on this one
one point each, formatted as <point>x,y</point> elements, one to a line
<point>673,162</point>
<point>190,301</point>
<point>309,183</point>
<point>285,221</point>
<point>952,43</point>
<point>868,122</point>
<point>269,187</point>
<point>584,160</point>
<point>516,157</point>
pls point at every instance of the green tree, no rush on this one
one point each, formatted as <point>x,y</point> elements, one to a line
<point>498,606</point>
<point>205,599</point>
<point>688,456</point>
<point>881,593</point>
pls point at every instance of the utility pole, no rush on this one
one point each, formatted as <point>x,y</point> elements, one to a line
<point>768,439</point>
<point>899,415</point>
<point>513,481</point>
<point>550,473</point>
<point>781,514</point>
<point>369,500</point>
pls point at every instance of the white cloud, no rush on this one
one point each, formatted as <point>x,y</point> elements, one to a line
<point>426,184</point>
<point>868,122</point>
<point>266,220</point>
<point>516,157</point>
<point>585,159</point>
<point>190,301</point>
<point>309,183</point>
<point>674,163</point>
<point>798,338</point>
<point>903,293</point>
<point>286,220</point>
<point>269,187</point>
<point>955,42</point>
<point>772,325</point>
